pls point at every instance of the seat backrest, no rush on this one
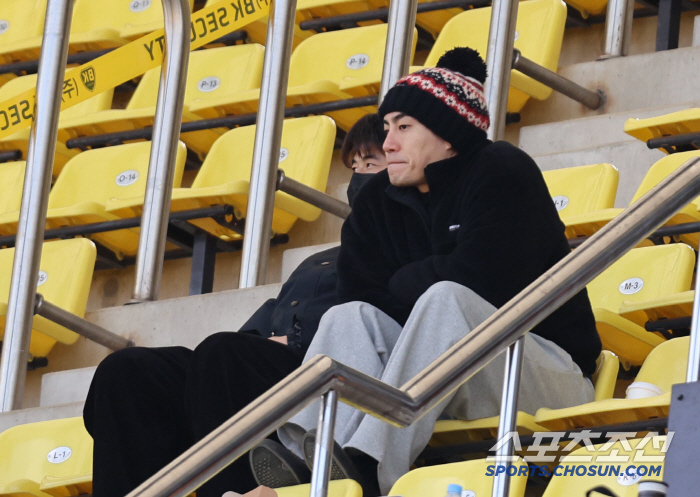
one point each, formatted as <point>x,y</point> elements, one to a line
<point>305,155</point>
<point>605,375</point>
<point>667,364</point>
<point>340,56</point>
<point>112,172</point>
<point>539,35</point>
<point>11,184</point>
<point>21,19</point>
<point>65,277</point>
<point>57,448</point>
<point>662,168</point>
<point>582,189</point>
<point>211,73</point>
<point>643,274</point>
<point>89,15</point>
<point>14,87</point>
<point>607,465</point>
<point>471,475</point>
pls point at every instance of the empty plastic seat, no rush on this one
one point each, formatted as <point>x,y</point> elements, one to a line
<point>597,463</point>
<point>641,274</point>
<point>11,183</point>
<point>450,432</point>
<point>94,26</point>
<point>48,458</point>
<point>20,20</point>
<point>665,366</point>
<point>587,224</point>
<point>307,146</point>
<point>539,35</point>
<point>582,189</point>
<point>90,180</point>
<point>471,475</point>
<point>20,140</point>
<point>589,8</point>
<point>64,280</point>
<point>210,73</point>
<point>336,488</point>
<point>320,67</point>
<point>676,305</point>
<point>675,123</point>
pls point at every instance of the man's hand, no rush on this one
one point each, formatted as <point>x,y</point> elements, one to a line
<point>282,340</point>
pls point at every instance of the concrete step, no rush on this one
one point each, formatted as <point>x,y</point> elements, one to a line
<point>36,414</point>
<point>632,158</point>
<point>587,132</point>
<point>66,387</point>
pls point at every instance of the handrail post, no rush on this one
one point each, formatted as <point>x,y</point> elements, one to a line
<point>693,372</point>
<point>618,28</point>
<point>324,445</point>
<point>509,412</point>
<point>399,39</point>
<point>32,218</point>
<point>499,61</point>
<point>268,137</point>
<point>161,166</point>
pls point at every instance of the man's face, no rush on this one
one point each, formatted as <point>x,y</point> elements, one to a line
<point>409,148</point>
<point>369,163</point>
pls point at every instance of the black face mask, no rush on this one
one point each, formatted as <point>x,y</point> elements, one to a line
<point>356,182</point>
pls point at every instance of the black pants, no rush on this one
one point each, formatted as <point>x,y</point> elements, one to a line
<point>147,405</point>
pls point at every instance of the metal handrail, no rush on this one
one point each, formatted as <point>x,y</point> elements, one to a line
<point>161,165</point>
<point>403,406</point>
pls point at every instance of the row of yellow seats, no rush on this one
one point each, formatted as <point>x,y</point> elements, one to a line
<point>675,123</point>
<point>54,458</point>
<point>109,183</point>
<point>325,67</point>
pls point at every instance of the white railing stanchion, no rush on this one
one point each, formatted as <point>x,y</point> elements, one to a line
<point>32,217</point>
<point>399,40</point>
<point>618,28</point>
<point>268,137</point>
<point>161,167</point>
<point>499,61</point>
<point>324,445</point>
<point>508,416</point>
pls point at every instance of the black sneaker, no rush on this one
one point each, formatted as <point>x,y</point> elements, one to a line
<point>275,466</point>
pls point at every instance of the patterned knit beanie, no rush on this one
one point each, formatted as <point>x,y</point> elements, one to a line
<point>448,99</point>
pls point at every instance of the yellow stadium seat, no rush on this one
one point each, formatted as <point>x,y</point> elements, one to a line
<point>471,475</point>
<point>95,26</point>
<point>318,70</point>
<point>456,431</point>
<point>48,458</point>
<point>89,181</point>
<point>64,280</point>
<point>20,20</point>
<point>20,140</point>
<point>307,146</point>
<point>336,488</point>
<point>664,367</point>
<point>589,8</point>
<point>620,457</point>
<point>641,274</point>
<point>539,34</point>
<point>675,123</point>
<point>211,72</point>
<point>587,224</point>
<point>11,183</point>
<point>677,305</point>
<point>582,189</point>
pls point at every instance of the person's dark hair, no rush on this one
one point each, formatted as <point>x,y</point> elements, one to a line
<point>366,134</point>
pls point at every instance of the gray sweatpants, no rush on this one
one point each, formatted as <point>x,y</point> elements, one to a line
<point>363,337</point>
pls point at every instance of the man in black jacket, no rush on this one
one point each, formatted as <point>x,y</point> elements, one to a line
<point>147,405</point>
<point>456,227</point>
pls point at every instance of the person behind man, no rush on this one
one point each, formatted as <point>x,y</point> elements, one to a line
<point>147,405</point>
<point>454,228</point>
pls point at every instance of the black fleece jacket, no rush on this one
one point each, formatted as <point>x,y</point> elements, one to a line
<point>488,223</point>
